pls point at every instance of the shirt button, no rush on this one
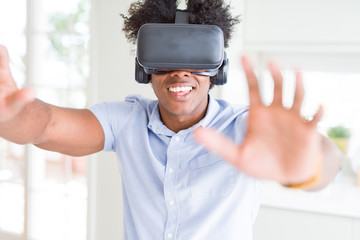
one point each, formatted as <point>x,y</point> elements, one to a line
<point>171,202</point>
<point>171,170</point>
<point>169,235</point>
<point>177,138</point>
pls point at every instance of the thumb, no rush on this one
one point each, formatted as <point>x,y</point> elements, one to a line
<point>6,78</point>
<point>217,143</point>
<point>16,101</point>
<point>4,57</point>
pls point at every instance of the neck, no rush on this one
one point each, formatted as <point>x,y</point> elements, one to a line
<point>177,123</point>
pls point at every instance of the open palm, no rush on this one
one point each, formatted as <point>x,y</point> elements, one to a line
<point>279,144</point>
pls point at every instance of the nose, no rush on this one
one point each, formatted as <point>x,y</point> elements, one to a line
<point>180,73</point>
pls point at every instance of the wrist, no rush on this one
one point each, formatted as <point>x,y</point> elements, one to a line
<point>313,180</point>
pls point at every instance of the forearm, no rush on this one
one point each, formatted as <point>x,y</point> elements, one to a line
<point>28,125</point>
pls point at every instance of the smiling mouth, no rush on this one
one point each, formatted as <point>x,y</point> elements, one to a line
<point>180,90</point>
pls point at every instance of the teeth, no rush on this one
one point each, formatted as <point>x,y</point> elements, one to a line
<point>180,89</point>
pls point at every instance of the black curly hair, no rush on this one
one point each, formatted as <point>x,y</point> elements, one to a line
<point>210,12</point>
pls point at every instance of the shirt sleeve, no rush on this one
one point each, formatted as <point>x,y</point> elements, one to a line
<point>112,117</point>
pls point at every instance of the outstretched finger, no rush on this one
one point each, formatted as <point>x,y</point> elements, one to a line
<point>217,143</point>
<point>278,79</point>
<point>4,57</point>
<point>299,93</point>
<point>5,74</point>
<point>317,117</point>
<point>254,93</point>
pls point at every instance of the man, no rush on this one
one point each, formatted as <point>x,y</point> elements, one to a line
<point>173,188</point>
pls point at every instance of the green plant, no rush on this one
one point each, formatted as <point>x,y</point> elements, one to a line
<point>339,132</point>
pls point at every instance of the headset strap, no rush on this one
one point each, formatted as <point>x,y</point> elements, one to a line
<point>181,17</point>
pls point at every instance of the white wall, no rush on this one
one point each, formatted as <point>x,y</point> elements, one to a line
<point>282,224</point>
<point>309,34</point>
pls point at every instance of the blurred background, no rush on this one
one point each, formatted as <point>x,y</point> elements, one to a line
<point>74,54</point>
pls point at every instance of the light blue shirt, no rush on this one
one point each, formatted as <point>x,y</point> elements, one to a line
<point>172,187</point>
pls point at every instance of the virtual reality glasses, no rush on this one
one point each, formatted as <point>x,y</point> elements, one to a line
<point>165,47</point>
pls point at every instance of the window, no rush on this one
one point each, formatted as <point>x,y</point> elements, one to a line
<point>43,195</point>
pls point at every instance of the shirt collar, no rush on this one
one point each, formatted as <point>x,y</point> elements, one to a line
<point>212,110</point>
<point>156,125</point>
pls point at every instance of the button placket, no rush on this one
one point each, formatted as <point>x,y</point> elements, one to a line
<point>170,182</point>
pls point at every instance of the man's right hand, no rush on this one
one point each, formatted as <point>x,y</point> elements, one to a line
<point>26,120</point>
<point>12,100</point>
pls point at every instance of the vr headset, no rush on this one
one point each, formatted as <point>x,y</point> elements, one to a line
<point>162,47</point>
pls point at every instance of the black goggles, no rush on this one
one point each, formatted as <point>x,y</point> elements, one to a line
<point>208,73</point>
<point>180,46</point>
